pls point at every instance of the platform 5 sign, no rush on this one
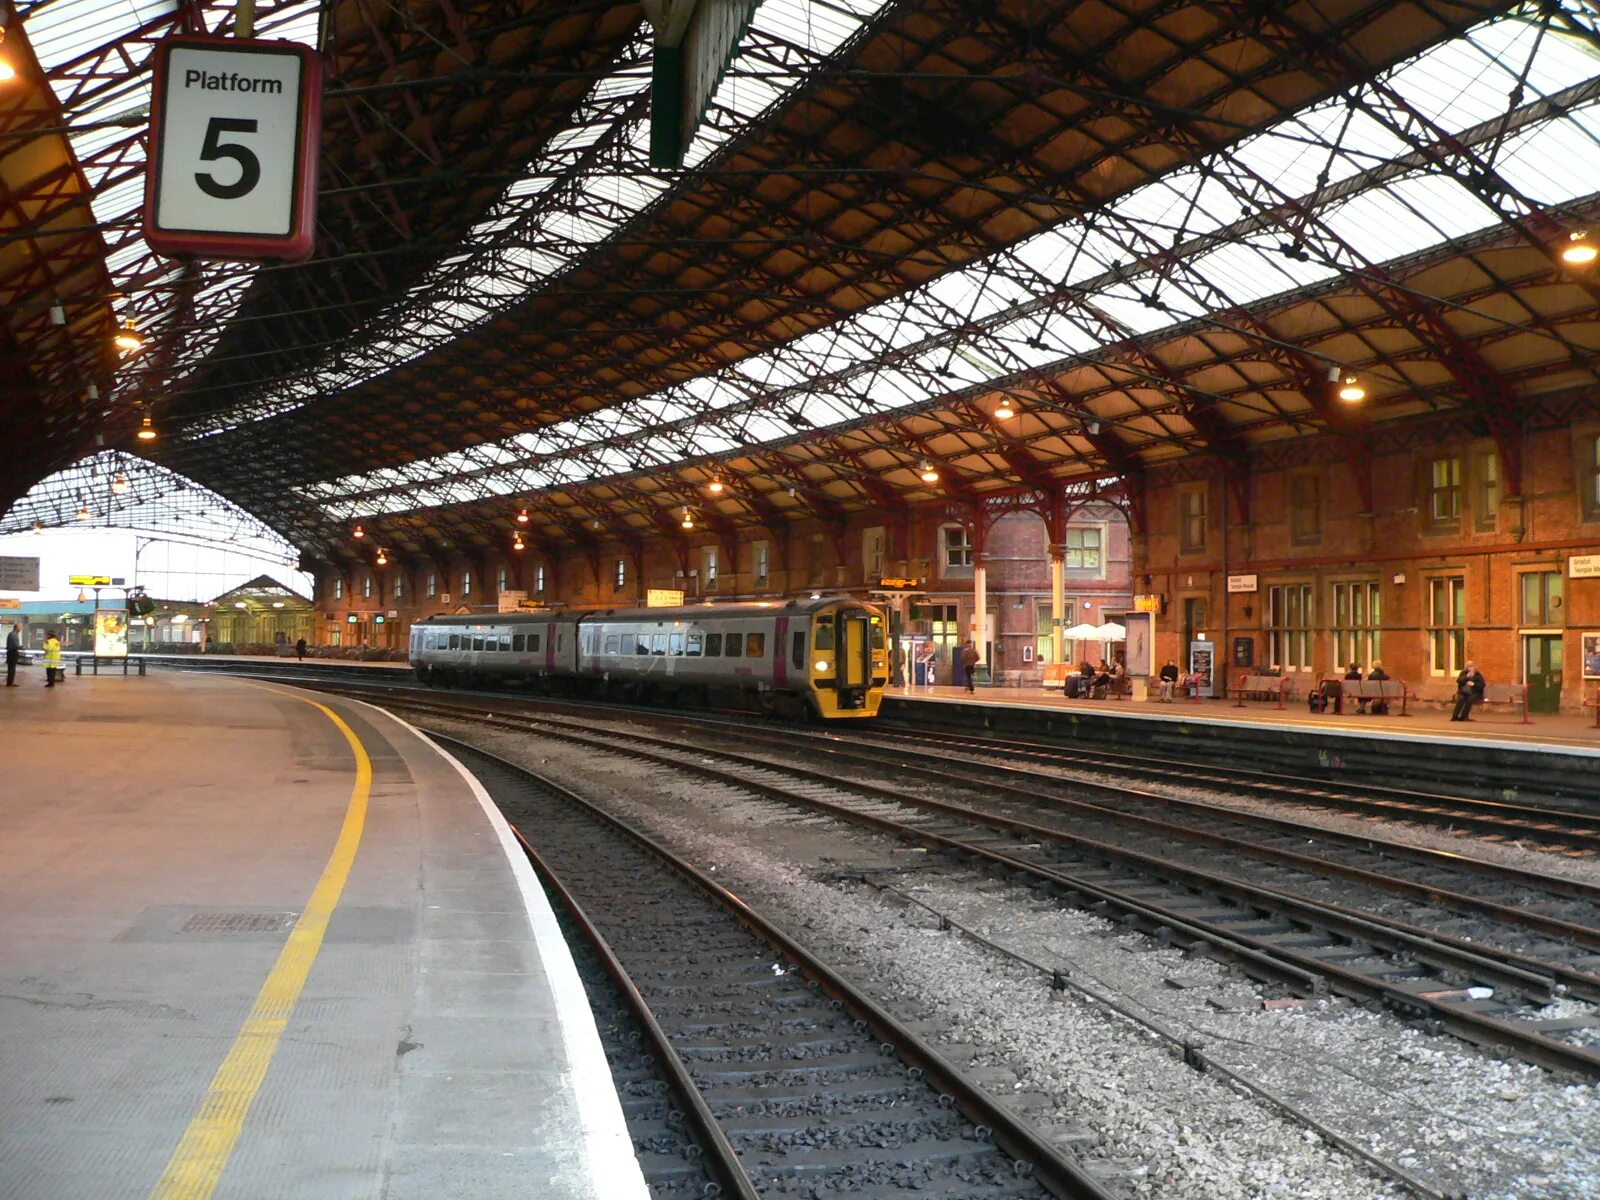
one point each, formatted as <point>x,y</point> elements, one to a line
<point>235,130</point>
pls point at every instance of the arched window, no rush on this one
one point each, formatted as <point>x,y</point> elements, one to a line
<point>622,573</point>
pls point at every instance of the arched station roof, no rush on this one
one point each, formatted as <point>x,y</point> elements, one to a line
<point>1159,230</point>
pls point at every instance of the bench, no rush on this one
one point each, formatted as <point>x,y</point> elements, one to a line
<point>1382,690</point>
<point>1263,687</point>
<point>1513,695</point>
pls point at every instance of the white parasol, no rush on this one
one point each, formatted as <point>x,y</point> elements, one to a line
<point>1082,633</point>
<point>1111,632</point>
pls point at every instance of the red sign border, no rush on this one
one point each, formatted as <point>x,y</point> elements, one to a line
<point>294,246</point>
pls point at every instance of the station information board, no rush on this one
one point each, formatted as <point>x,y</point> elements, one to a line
<point>235,132</point>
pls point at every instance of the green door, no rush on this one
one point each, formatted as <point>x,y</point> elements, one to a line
<point>1542,664</point>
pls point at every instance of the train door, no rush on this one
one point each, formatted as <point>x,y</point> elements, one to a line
<point>550,648</point>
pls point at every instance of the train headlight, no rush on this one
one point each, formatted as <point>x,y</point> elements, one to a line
<point>823,664</point>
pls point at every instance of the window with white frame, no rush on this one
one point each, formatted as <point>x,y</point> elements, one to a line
<point>1192,518</point>
<point>761,557</point>
<point>1444,490</point>
<point>466,583</point>
<point>1357,623</point>
<point>1044,642</point>
<point>433,584</point>
<point>538,580</point>
<point>1290,639</point>
<point>1305,508</point>
<point>399,588</point>
<point>366,587</point>
<point>957,548</point>
<point>1083,548</point>
<point>1589,484</point>
<point>708,558</point>
<point>338,588</point>
<point>873,542</point>
<point>503,582</point>
<point>1447,624</point>
<point>621,574</point>
<point>1486,501</point>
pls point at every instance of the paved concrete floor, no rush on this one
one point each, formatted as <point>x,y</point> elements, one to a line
<point>161,837</point>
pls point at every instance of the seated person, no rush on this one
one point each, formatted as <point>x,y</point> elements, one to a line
<point>1377,675</point>
<point>1352,674</point>
<point>1102,679</point>
<point>1169,679</point>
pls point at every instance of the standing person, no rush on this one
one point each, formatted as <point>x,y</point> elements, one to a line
<point>1469,690</point>
<point>13,655</point>
<point>1169,680</point>
<point>300,649</point>
<point>969,660</point>
<point>52,658</point>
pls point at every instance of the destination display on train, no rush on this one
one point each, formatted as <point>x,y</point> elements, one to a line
<point>235,133</point>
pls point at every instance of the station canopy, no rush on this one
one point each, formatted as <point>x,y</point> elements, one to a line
<point>1149,231</point>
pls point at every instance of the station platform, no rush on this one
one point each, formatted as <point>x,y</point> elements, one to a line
<point>255,944</point>
<point>1488,722</point>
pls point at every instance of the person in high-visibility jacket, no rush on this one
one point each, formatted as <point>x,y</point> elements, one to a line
<point>52,658</point>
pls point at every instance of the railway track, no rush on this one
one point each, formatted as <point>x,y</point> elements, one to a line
<point>1478,992</point>
<point>785,1078</point>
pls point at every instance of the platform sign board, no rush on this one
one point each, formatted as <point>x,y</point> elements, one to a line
<point>89,580</point>
<point>10,602</point>
<point>1583,566</point>
<point>19,574</point>
<point>1242,583</point>
<point>511,601</point>
<point>662,598</point>
<point>110,633</point>
<point>235,133</point>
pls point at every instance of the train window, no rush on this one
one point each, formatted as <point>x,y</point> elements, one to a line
<point>675,645</point>
<point>455,641</point>
<point>642,645</point>
<point>477,642</point>
<point>713,645</point>
<point>824,640</point>
<point>734,646</point>
<point>533,643</point>
<point>658,643</point>
<point>877,633</point>
<point>755,645</point>
<point>518,643</point>
<point>692,647</point>
<point>611,643</point>
<point>505,642</point>
<point>797,649</point>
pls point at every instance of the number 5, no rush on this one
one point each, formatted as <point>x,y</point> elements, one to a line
<point>214,148</point>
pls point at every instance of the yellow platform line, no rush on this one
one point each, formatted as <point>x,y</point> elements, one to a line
<point>197,1164</point>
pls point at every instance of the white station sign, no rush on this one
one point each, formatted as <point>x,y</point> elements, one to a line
<point>235,134</point>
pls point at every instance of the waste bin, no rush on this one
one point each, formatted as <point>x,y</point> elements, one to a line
<point>921,674</point>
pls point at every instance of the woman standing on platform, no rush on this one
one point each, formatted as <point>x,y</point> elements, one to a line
<point>52,659</point>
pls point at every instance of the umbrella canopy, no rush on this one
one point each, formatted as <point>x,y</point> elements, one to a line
<point>1111,632</point>
<point>1082,633</point>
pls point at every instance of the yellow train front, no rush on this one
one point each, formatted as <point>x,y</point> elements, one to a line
<point>848,664</point>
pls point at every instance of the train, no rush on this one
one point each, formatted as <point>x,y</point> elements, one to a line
<point>823,659</point>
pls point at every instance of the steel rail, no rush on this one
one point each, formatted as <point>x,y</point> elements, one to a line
<point>1285,964</point>
<point>1058,1174</point>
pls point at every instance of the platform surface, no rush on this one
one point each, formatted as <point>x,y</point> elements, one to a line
<point>1490,724</point>
<point>162,837</point>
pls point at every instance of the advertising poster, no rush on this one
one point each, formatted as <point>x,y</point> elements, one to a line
<point>110,633</point>
<point>1202,660</point>
<point>1141,637</point>
<point>1591,656</point>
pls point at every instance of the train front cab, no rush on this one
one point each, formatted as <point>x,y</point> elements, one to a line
<point>849,661</point>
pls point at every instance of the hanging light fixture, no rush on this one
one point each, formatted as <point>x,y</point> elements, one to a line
<point>1351,391</point>
<point>358,532</point>
<point>58,314</point>
<point>128,336</point>
<point>1579,251</point>
<point>926,470</point>
<point>120,483</point>
<point>383,559</point>
<point>518,544</point>
<point>7,71</point>
<point>715,487</point>
<point>1004,411</point>
<point>688,519</point>
<point>522,517</point>
<point>83,511</point>
<point>147,430</point>
<point>38,527</point>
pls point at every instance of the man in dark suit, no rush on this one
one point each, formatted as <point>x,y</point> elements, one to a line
<point>13,655</point>
<point>1469,690</point>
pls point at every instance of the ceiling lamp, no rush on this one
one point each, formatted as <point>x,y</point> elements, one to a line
<point>1351,391</point>
<point>58,314</point>
<point>358,532</point>
<point>518,543</point>
<point>383,559</point>
<point>38,527</point>
<point>715,487</point>
<point>128,336</point>
<point>83,511</point>
<point>1579,250</point>
<point>120,483</point>
<point>688,519</point>
<point>929,475</point>
<point>522,517</point>
<point>147,430</point>
<point>1004,410</point>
